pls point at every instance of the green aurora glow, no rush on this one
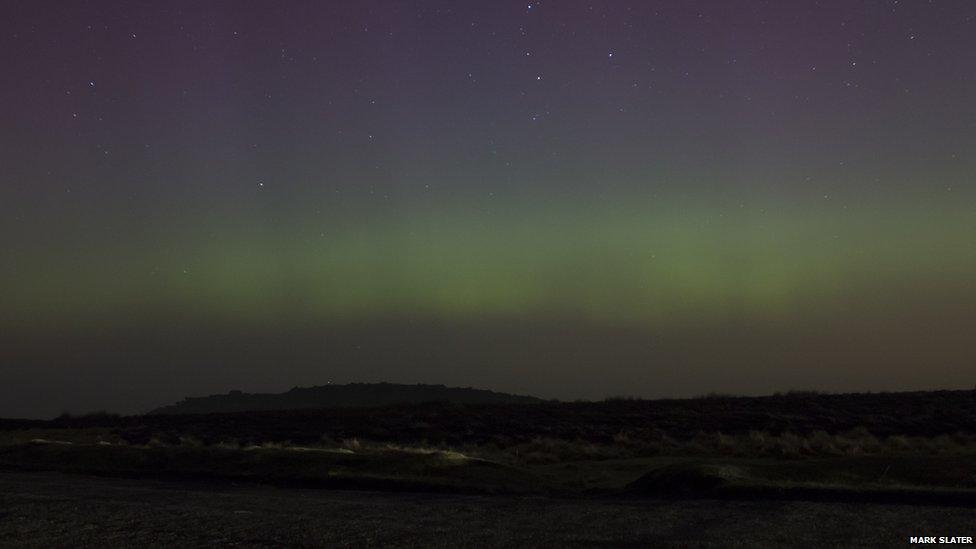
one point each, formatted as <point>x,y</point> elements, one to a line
<point>647,263</point>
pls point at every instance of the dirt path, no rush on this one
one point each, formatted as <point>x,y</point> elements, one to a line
<point>49,509</point>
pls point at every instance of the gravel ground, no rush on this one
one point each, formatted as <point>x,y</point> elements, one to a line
<point>53,510</point>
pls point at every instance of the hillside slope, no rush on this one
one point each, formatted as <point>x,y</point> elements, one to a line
<point>354,395</point>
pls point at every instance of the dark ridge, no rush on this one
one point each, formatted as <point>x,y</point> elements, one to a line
<point>354,395</point>
<point>922,413</point>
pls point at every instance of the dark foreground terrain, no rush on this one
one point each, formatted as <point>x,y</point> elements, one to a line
<point>52,509</point>
<point>800,469</point>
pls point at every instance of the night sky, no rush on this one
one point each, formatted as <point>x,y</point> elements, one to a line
<point>563,198</point>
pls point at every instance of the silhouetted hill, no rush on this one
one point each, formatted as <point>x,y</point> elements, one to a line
<point>354,395</point>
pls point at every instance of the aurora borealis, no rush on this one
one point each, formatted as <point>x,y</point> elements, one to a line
<point>568,199</point>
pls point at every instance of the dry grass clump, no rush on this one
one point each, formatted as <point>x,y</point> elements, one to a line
<point>554,450</point>
<point>854,442</point>
<point>629,444</point>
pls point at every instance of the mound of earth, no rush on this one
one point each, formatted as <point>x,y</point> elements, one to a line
<point>354,395</point>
